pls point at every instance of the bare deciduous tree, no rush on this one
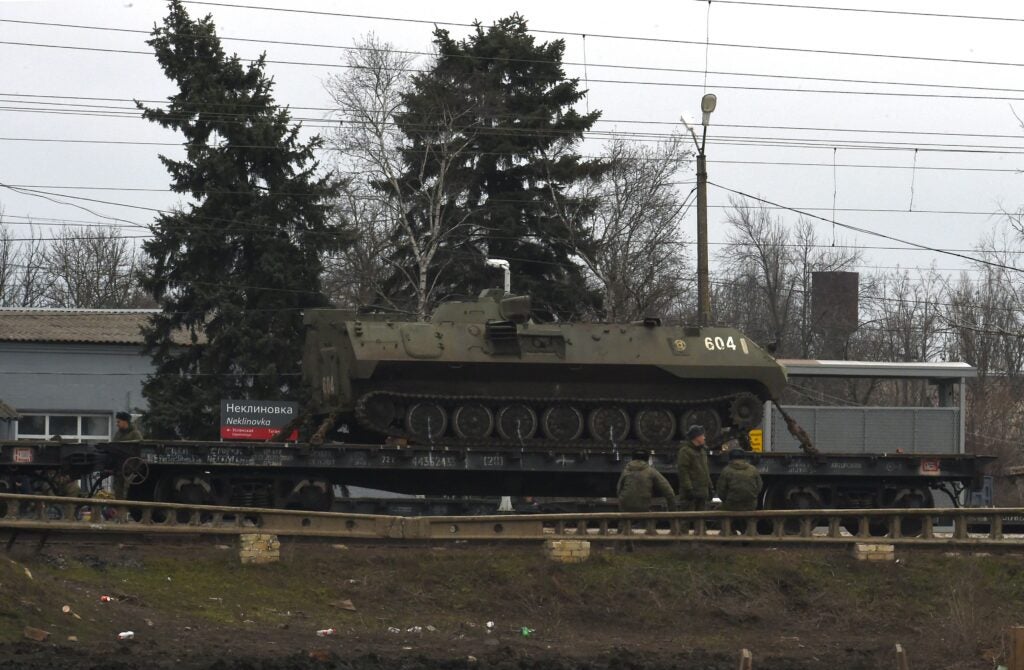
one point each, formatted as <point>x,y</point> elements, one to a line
<point>359,274</point>
<point>413,223</point>
<point>639,260</point>
<point>94,268</point>
<point>31,280</point>
<point>767,267</point>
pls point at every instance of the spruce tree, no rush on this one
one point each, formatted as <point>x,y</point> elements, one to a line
<point>508,98</point>
<point>234,266</point>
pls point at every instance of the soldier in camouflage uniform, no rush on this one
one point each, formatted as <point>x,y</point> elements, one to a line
<point>639,483</point>
<point>740,484</point>
<point>126,432</point>
<point>694,478</point>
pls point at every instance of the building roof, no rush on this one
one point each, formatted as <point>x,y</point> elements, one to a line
<point>92,326</point>
<point>812,368</point>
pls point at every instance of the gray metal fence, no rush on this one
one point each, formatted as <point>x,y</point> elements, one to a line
<point>859,430</point>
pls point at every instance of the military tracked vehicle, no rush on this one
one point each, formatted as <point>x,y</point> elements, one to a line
<point>483,372</point>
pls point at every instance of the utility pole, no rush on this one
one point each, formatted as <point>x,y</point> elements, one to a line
<point>707,105</point>
<point>703,282</point>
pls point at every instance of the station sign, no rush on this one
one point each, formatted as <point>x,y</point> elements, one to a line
<point>256,419</point>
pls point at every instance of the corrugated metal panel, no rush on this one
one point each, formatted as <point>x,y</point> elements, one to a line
<point>857,430</point>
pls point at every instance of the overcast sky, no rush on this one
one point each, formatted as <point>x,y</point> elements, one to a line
<point>68,127</point>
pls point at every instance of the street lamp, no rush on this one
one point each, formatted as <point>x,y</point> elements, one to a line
<point>707,105</point>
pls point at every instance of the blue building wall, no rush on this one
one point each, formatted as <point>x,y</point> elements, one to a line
<point>54,377</point>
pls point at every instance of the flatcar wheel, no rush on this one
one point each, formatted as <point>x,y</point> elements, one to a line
<point>702,416</point>
<point>472,422</point>
<point>562,423</point>
<point>426,420</point>
<point>655,425</point>
<point>608,423</point>
<point>517,422</point>
<point>746,411</point>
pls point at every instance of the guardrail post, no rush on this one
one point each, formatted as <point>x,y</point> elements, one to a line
<point>835,527</point>
<point>895,526</point>
<point>960,527</point>
<point>928,528</point>
<point>901,658</point>
<point>996,527</point>
<point>1016,660</point>
<point>746,660</point>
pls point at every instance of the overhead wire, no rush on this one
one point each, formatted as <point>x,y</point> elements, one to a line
<point>209,106</point>
<point>777,89</point>
<point>866,10</point>
<point>699,43</point>
<point>866,231</point>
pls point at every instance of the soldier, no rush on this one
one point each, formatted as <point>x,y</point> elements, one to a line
<point>740,484</point>
<point>694,478</point>
<point>638,483</point>
<point>126,432</point>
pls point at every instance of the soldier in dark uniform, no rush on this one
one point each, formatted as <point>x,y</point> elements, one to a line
<point>694,478</point>
<point>638,484</point>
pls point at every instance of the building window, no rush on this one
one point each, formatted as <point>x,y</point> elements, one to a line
<point>68,426</point>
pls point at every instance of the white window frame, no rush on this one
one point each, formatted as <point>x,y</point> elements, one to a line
<point>76,436</point>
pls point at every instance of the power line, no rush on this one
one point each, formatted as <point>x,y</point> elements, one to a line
<point>700,43</point>
<point>723,140</point>
<point>797,142</point>
<point>865,231</point>
<point>741,140</point>
<point>210,105</point>
<point>773,89</point>
<point>374,198</point>
<point>620,66</point>
<point>25,219</point>
<point>973,17</point>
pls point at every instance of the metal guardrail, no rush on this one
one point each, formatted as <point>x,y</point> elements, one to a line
<point>961,526</point>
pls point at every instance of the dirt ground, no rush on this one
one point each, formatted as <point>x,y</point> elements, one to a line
<point>424,607</point>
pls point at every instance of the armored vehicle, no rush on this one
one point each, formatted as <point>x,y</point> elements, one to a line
<point>482,372</point>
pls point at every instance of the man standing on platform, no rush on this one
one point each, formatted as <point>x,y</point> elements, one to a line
<point>694,477</point>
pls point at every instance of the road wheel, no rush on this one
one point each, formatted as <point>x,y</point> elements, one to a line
<point>608,423</point>
<point>562,423</point>
<point>655,425</point>
<point>426,420</point>
<point>472,422</point>
<point>517,422</point>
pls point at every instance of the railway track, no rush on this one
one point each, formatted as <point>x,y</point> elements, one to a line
<point>974,527</point>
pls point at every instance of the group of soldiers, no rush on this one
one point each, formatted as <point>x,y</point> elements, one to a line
<point>739,484</point>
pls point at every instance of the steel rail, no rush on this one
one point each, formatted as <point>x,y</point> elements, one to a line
<point>966,526</point>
